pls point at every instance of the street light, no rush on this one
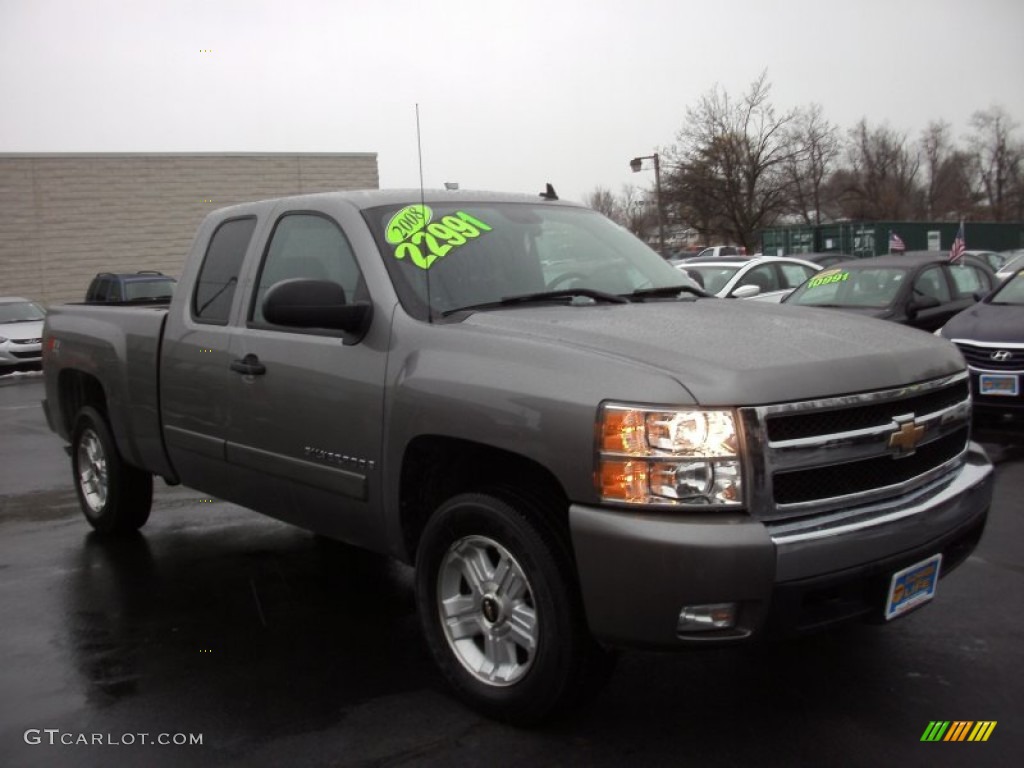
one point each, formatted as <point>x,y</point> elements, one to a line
<point>636,164</point>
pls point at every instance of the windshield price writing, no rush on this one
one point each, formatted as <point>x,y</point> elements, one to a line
<point>835,277</point>
<point>415,236</point>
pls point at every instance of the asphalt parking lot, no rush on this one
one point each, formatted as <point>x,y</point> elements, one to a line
<point>275,647</point>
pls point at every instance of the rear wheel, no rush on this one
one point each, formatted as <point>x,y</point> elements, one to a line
<point>115,497</point>
<point>497,597</point>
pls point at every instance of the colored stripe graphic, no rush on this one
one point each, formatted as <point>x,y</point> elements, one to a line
<point>958,730</point>
<point>935,731</point>
<point>982,730</point>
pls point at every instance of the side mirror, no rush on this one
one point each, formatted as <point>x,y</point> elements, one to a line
<point>745,292</point>
<point>301,303</point>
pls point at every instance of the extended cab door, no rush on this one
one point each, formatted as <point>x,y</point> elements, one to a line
<point>307,406</point>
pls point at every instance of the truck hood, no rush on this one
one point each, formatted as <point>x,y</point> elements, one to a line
<point>739,352</point>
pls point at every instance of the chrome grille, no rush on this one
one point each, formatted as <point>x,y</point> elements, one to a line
<point>839,453</point>
<point>991,356</point>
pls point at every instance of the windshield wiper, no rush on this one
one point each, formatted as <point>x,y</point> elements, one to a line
<point>531,298</point>
<point>667,290</point>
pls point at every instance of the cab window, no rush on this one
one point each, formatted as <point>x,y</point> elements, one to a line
<point>310,246</point>
<point>218,276</point>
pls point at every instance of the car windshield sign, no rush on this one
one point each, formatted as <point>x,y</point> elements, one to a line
<point>453,255</point>
<point>874,287</point>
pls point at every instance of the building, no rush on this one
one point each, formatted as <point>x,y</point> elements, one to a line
<point>871,238</point>
<point>66,216</point>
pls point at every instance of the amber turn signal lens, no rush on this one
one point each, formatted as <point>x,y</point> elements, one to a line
<point>623,431</point>
<point>623,480</point>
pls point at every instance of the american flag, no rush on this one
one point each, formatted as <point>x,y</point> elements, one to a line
<point>896,242</point>
<point>959,246</point>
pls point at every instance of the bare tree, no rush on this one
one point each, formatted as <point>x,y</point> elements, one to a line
<point>948,192</point>
<point>639,213</point>
<point>602,200</point>
<point>731,156</point>
<point>882,175</point>
<point>998,161</point>
<point>815,146</point>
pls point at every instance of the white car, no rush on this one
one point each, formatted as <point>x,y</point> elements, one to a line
<point>769,278</point>
<point>21,334</point>
<point>1014,261</point>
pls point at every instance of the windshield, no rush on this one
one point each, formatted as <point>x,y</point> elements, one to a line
<point>149,289</point>
<point>874,287</point>
<point>1010,292</point>
<point>713,278</point>
<point>477,253</point>
<point>20,312</point>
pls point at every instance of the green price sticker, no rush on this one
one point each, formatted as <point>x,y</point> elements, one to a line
<point>423,241</point>
<point>410,219</point>
<point>827,279</point>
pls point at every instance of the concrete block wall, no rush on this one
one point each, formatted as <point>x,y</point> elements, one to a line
<point>65,217</point>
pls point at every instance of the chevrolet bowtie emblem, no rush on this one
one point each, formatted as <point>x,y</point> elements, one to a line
<point>905,439</point>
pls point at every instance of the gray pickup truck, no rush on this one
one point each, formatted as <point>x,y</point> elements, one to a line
<point>576,448</point>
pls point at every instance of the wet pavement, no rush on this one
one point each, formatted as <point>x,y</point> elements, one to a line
<point>276,647</point>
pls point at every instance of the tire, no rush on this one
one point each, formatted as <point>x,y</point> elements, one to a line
<point>115,497</point>
<point>497,597</point>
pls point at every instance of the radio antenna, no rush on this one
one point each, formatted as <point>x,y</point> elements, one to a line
<point>419,152</point>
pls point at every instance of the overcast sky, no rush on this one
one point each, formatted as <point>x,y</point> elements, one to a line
<point>511,94</point>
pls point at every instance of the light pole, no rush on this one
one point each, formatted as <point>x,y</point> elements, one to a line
<point>636,164</point>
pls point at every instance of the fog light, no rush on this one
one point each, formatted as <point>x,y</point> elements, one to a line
<point>705,618</point>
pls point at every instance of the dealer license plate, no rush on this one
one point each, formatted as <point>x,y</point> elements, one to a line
<point>994,384</point>
<point>912,586</point>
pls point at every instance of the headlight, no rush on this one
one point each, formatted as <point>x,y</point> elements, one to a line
<point>683,458</point>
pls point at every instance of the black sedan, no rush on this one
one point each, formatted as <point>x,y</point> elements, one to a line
<point>922,288</point>
<point>990,336</point>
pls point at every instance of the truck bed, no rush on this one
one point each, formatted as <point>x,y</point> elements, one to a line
<point>120,346</point>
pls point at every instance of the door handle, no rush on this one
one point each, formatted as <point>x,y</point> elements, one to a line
<point>249,365</point>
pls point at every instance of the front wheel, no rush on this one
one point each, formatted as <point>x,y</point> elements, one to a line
<point>500,609</point>
<point>115,497</point>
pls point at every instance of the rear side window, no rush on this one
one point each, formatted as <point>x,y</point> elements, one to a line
<point>218,277</point>
<point>969,280</point>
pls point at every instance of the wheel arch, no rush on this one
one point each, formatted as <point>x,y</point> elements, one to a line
<point>435,468</point>
<point>76,390</point>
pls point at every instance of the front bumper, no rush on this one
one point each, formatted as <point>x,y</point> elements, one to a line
<point>637,571</point>
<point>16,353</point>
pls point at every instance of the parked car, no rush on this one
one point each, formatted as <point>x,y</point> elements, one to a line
<point>994,260</point>
<point>768,277</point>
<point>718,251</point>
<point>143,286</point>
<point>990,336</point>
<point>21,333</point>
<point>1014,262</point>
<point>826,259</point>
<point>921,288</point>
